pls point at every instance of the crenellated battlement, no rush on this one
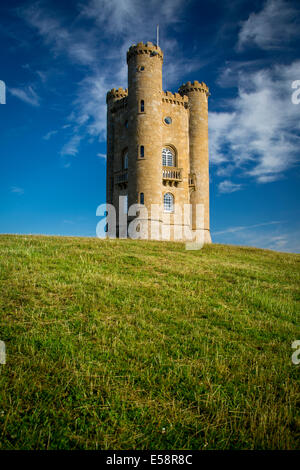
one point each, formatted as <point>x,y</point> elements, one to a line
<point>194,86</point>
<point>148,48</point>
<point>175,98</point>
<point>116,94</point>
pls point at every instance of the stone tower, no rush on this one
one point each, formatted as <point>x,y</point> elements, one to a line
<point>157,151</point>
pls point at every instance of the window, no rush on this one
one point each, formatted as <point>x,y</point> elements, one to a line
<point>168,157</point>
<point>142,68</point>
<point>142,198</point>
<point>168,202</point>
<point>142,106</point>
<point>126,124</point>
<point>168,120</point>
<point>142,151</point>
<point>125,161</point>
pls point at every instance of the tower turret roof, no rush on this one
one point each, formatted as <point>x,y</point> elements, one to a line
<point>116,94</point>
<point>148,48</point>
<point>194,86</point>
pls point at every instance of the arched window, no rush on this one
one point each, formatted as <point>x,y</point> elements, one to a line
<point>142,106</point>
<point>142,199</point>
<point>168,202</point>
<point>125,161</point>
<point>168,157</point>
<point>142,151</point>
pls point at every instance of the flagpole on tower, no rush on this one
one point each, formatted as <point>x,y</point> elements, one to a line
<point>157,35</point>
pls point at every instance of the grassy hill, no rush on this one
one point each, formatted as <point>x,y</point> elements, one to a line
<point>124,344</point>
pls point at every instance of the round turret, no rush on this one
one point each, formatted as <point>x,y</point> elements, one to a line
<point>148,48</point>
<point>188,87</point>
<point>116,94</point>
<point>197,94</point>
<point>144,125</point>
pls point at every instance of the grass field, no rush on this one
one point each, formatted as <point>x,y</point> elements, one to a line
<point>124,344</point>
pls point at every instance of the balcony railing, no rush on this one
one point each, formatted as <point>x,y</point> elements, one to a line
<point>171,175</point>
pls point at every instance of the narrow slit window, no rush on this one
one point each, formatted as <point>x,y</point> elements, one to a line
<point>142,106</point>
<point>142,151</point>
<point>142,199</point>
<point>125,161</point>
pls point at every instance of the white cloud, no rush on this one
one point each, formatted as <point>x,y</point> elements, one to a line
<point>50,134</point>
<point>114,25</point>
<point>27,94</point>
<point>228,187</point>
<point>225,171</point>
<point>272,28</point>
<point>257,128</point>
<point>133,17</point>
<point>101,155</point>
<point>242,228</point>
<point>78,44</point>
<point>273,235</point>
<point>72,146</point>
<point>88,118</point>
<point>17,190</point>
<point>90,105</point>
<point>260,133</point>
<point>279,239</point>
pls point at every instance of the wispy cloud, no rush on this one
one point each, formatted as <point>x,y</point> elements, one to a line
<point>113,25</point>
<point>72,146</point>
<point>273,235</point>
<point>246,227</point>
<point>260,133</point>
<point>26,94</point>
<point>50,134</point>
<point>101,155</point>
<point>69,222</point>
<point>253,133</point>
<point>271,28</point>
<point>78,43</point>
<point>229,187</point>
<point>17,190</point>
<point>133,17</point>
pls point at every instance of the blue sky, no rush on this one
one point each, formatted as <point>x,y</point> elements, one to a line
<point>59,58</point>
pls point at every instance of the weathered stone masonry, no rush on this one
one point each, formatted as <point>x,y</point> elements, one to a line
<point>143,124</point>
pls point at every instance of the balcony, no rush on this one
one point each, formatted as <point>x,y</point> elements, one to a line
<point>171,175</point>
<point>121,179</point>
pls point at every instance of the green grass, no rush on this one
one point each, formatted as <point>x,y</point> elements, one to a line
<point>123,344</point>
